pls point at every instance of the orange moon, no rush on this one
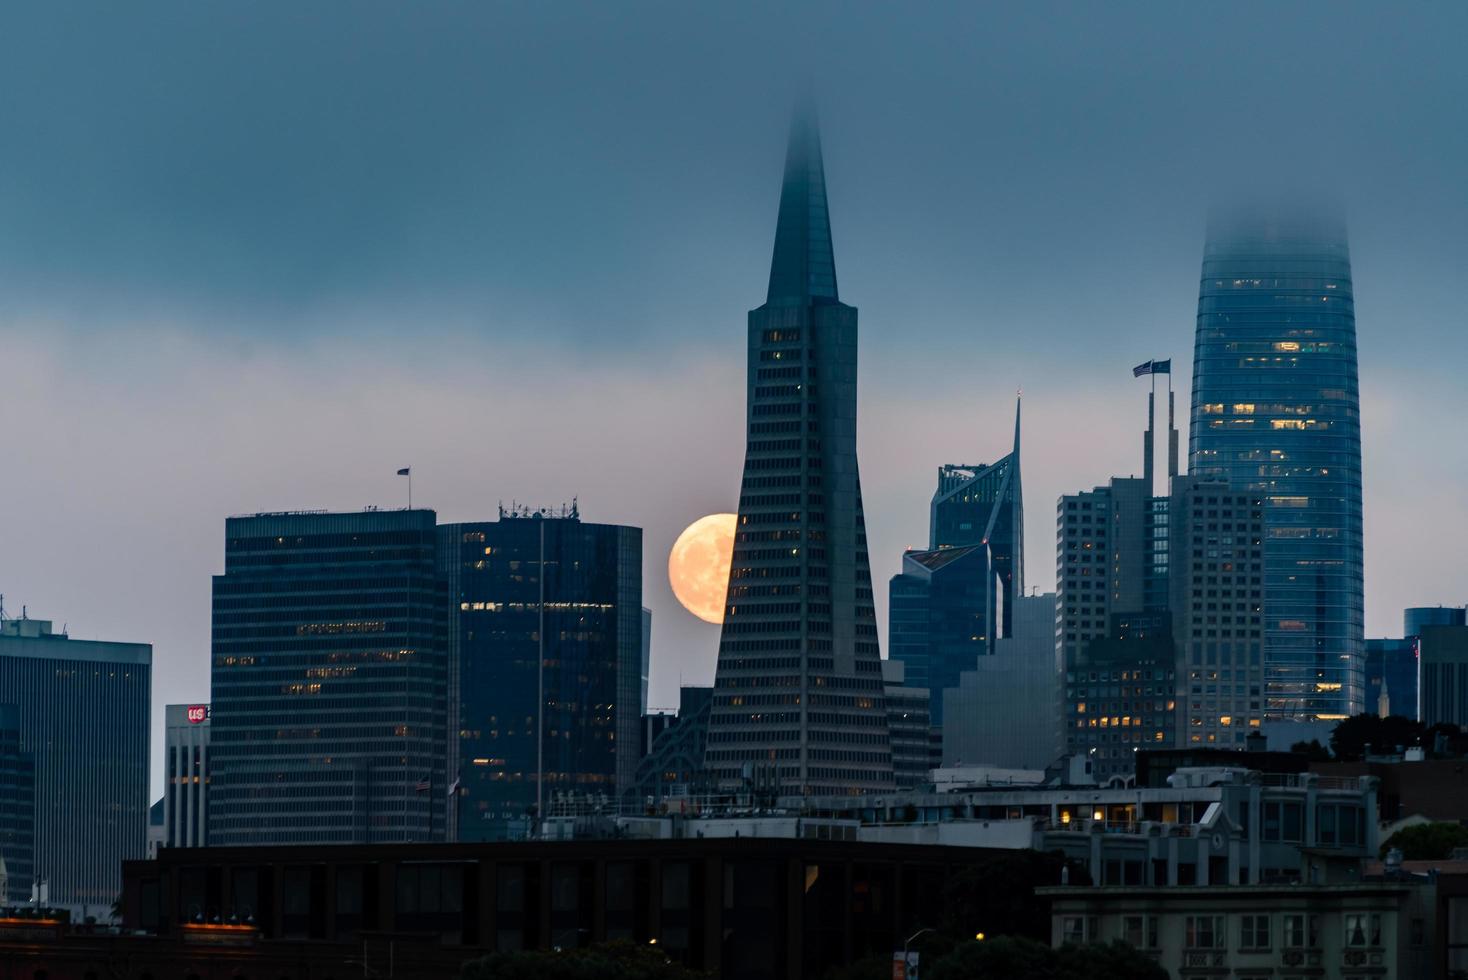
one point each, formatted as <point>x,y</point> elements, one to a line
<point>698,565</point>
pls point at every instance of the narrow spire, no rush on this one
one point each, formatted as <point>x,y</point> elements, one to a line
<point>1018,398</point>
<point>803,269</point>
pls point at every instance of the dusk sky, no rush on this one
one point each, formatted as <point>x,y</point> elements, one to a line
<point>258,257</point>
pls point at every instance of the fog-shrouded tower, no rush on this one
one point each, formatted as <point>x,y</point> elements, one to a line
<point>798,701</point>
<point>1276,412</point>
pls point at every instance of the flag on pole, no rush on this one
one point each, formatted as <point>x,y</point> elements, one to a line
<point>424,785</point>
<point>1153,367</point>
<point>454,788</point>
<point>406,471</point>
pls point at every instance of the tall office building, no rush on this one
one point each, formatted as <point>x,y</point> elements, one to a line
<point>328,707</point>
<point>984,505</point>
<point>1276,413</point>
<point>1415,618</point>
<point>798,685</point>
<point>17,809</point>
<point>950,604</point>
<point>1391,669</point>
<point>1159,617</point>
<point>186,775</point>
<point>82,716</point>
<point>547,635</point>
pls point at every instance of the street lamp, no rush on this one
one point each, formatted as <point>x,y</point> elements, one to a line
<point>908,942</point>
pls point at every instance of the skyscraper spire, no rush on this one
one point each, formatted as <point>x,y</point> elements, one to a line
<point>803,269</point>
<point>1018,398</point>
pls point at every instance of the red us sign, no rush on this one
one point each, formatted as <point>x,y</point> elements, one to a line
<point>198,713</point>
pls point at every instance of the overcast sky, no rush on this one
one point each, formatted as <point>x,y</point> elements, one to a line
<point>259,256</point>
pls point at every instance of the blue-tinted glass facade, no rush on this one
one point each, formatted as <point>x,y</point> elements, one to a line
<point>591,577</point>
<point>1276,411</point>
<point>328,718</point>
<point>942,602</point>
<point>1416,617</point>
<point>1391,667</point>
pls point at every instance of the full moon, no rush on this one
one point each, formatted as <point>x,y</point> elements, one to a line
<point>698,565</point>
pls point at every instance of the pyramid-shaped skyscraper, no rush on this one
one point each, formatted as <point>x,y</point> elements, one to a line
<point>798,705</point>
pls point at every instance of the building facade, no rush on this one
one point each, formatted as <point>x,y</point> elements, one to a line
<point>1276,413</point>
<point>329,673</point>
<point>1371,929</point>
<point>17,810</point>
<point>1443,657</point>
<point>798,684</point>
<point>909,720</point>
<point>1004,712</point>
<point>82,710</point>
<point>1390,676</point>
<point>547,636</point>
<point>941,606</point>
<point>1159,614</point>
<point>1217,604</point>
<point>186,775</point>
<point>984,505</point>
<point>952,603</point>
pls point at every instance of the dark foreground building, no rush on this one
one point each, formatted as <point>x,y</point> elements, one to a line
<point>761,909</point>
<point>1276,413</point>
<point>529,589</point>
<point>798,686</point>
<point>328,718</point>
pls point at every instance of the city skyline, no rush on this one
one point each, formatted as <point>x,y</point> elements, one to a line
<point>182,349</point>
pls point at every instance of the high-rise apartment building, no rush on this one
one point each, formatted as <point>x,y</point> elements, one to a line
<point>328,705</point>
<point>547,638</point>
<point>1275,414</point>
<point>185,775</point>
<point>82,716</point>
<point>17,809</point>
<point>798,686</point>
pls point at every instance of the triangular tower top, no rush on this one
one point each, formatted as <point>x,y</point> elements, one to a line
<point>803,269</point>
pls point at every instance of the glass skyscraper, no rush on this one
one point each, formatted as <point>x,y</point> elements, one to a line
<point>949,604</point>
<point>1276,413</point>
<point>579,586</point>
<point>328,716</point>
